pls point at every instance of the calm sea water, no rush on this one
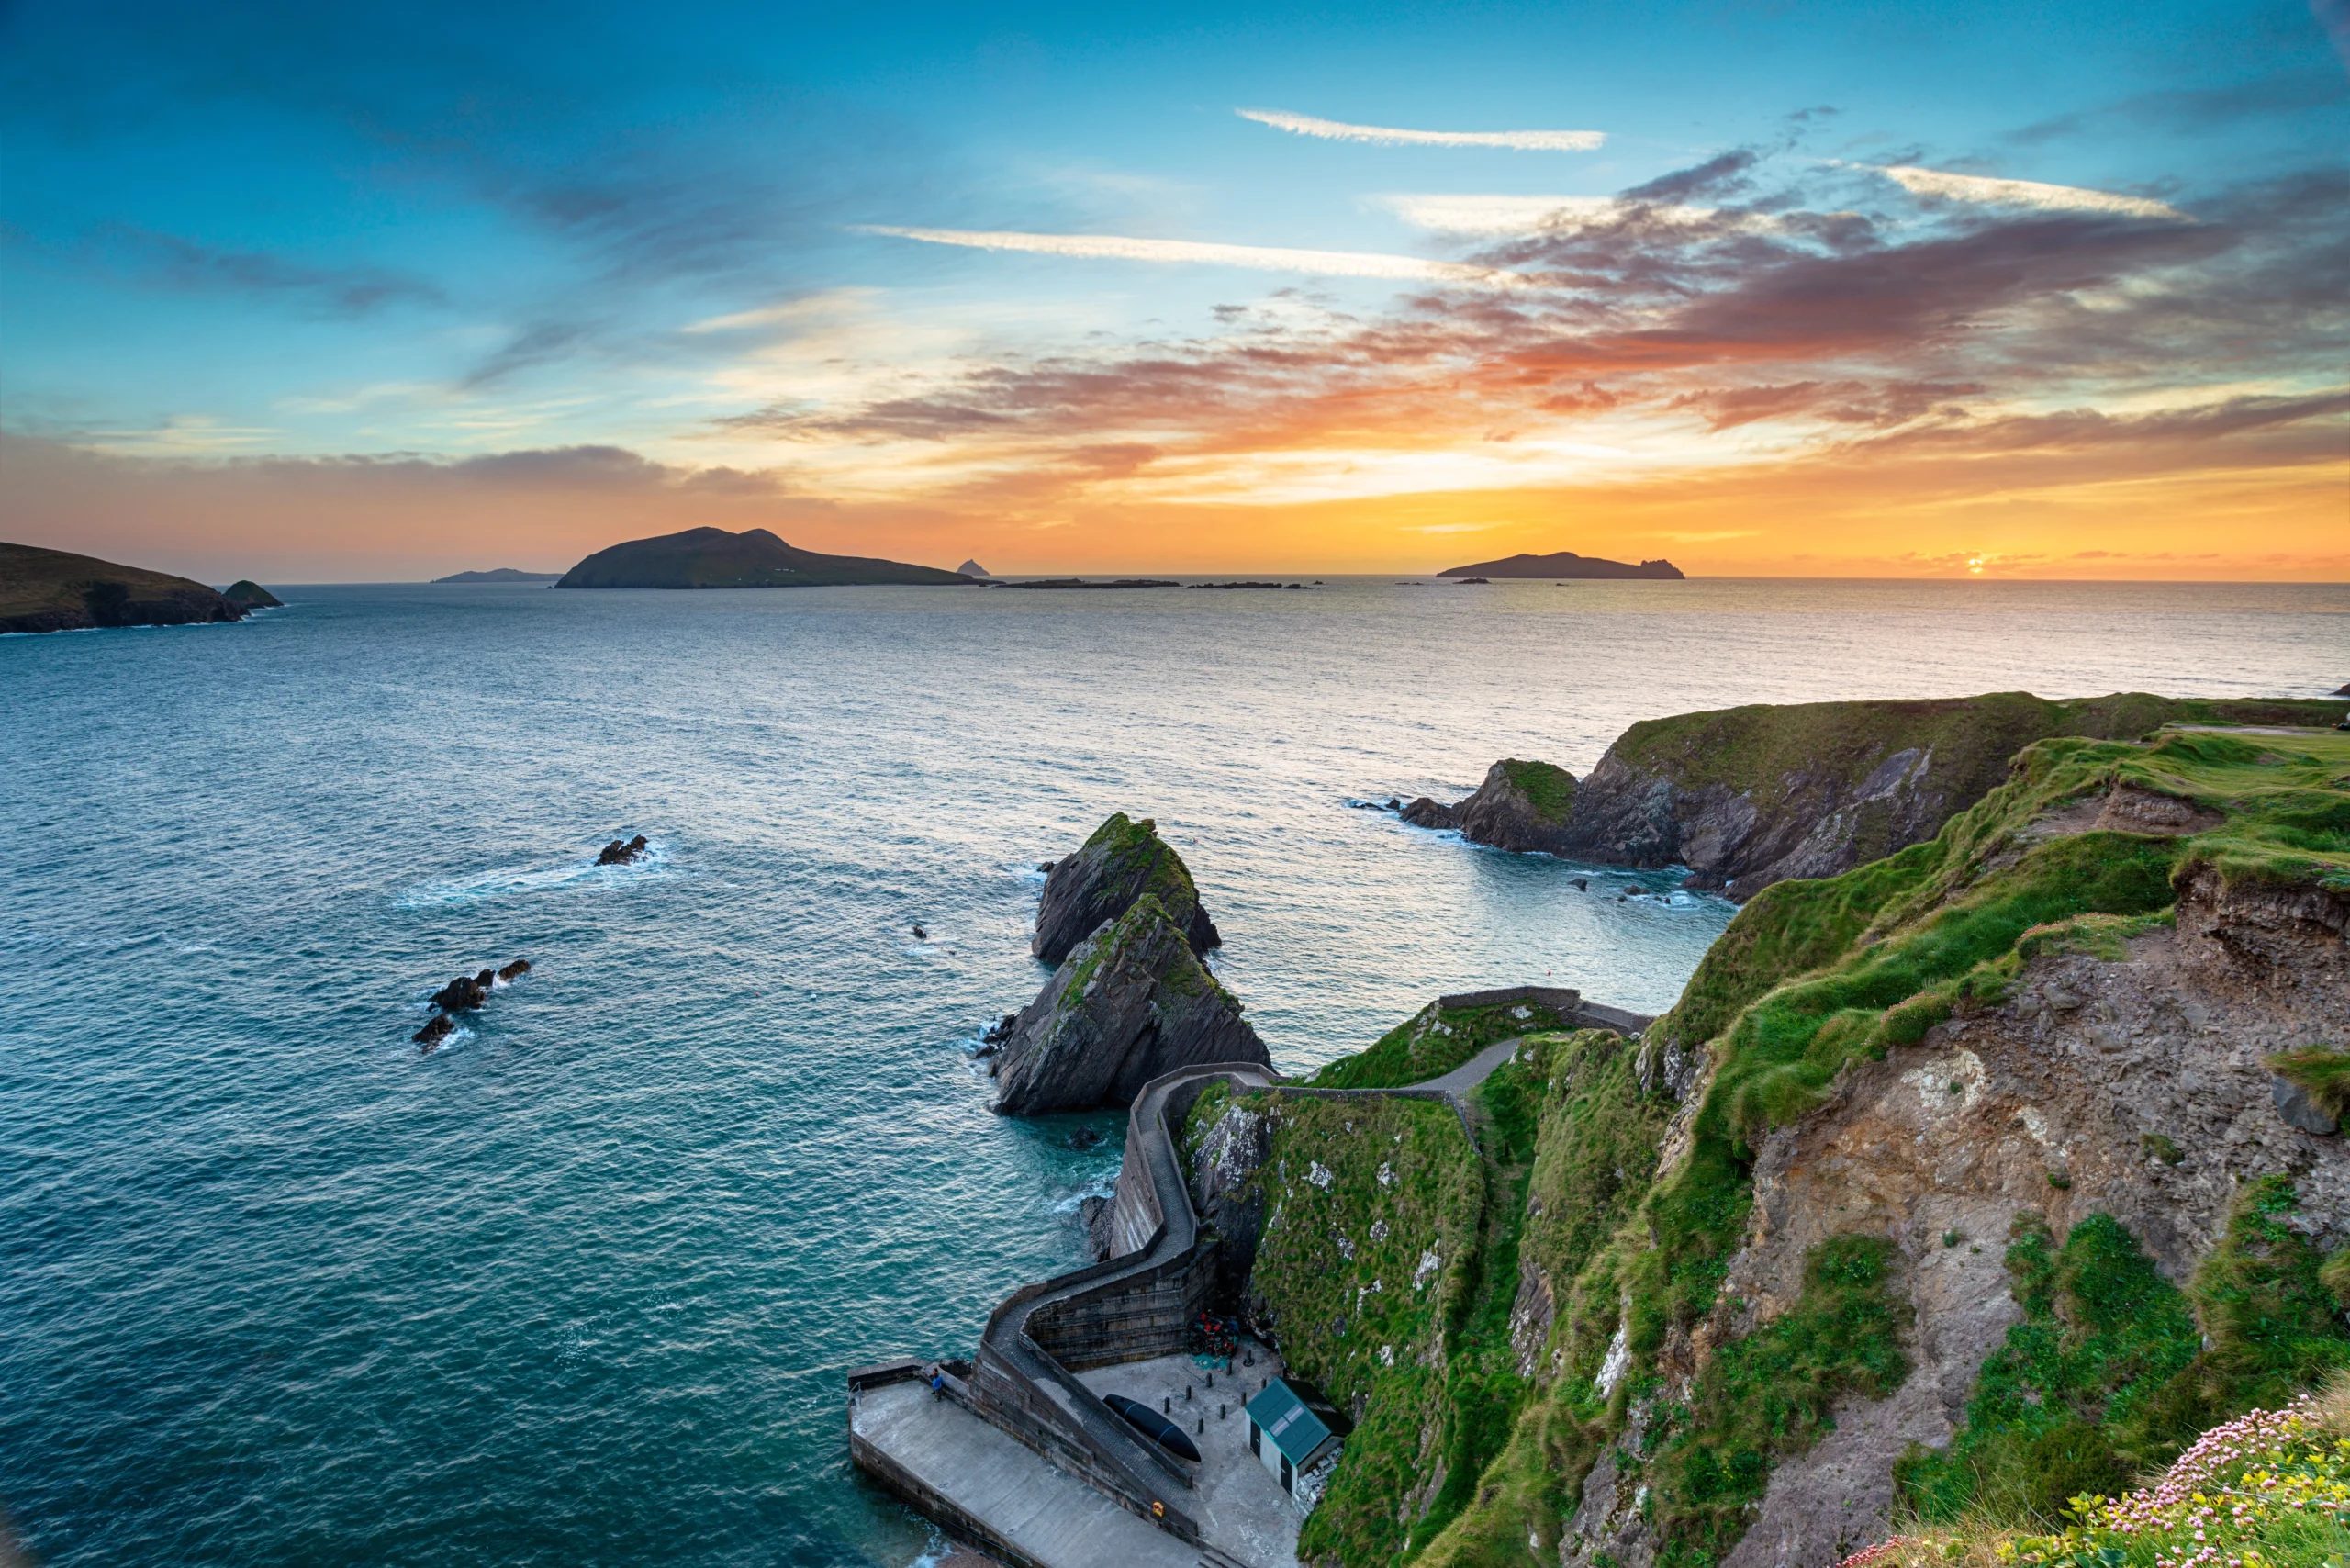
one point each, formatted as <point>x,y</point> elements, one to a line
<point>274,1289</point>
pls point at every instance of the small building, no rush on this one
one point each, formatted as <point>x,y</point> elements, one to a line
<point>1291,1428</point>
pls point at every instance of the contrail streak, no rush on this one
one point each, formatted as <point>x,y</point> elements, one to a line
<point>2022,193</point>
<point>1338,130</point>
<point>1262,258</point>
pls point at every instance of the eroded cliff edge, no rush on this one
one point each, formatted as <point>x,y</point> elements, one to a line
<point>1982,1173</point>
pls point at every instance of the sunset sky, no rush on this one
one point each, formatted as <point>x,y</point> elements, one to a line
<point>2048,288</point>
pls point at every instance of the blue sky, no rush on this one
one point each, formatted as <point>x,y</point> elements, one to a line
<point>316,234</point>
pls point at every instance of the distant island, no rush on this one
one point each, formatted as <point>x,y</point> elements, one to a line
<point>499,574</point>
<point>713,558</point>
<point>1563,563</point>
<point>1083,583</point>
<point>56,590</point>
<point>973,569</point>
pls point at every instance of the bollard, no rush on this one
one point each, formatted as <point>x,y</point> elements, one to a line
<point>1167,1406</point>
<point>1221,1412</point>
<point>1211,1380</point>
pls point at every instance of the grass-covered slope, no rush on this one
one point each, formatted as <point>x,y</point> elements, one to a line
<point>1586,1326</point>
<point>1431,1043</point>
<point>56,590</point>
<point>713,558</point>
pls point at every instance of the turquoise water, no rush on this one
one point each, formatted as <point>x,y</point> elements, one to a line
<point>579,1287</point>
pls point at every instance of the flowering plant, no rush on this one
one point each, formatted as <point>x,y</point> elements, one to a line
<point>2270,1489</point>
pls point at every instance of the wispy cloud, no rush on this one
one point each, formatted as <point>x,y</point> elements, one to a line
<point>1260,258</point>
<point>1466,214</point>
<point>1391,136</point>
<point>1992,192</point>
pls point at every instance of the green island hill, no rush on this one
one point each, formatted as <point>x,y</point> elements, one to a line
<point>56,590</point>
<point>1971,1181</point>
<point>713,558</point>
<point>1566,564</point>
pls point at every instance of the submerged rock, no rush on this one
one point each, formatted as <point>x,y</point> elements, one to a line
<point>1130,1003</point>
<point>1124,861</point>
<point>619,854</point>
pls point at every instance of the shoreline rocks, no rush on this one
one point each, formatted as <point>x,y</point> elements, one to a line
<point>1124,861</point>
<point>1128,1004</point>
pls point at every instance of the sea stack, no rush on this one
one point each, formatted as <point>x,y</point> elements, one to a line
<point>1124,861</point>
<point>246,594</point>
<point>1130,1003</point>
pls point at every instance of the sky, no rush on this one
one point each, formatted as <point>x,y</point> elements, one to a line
<point>1790,287</point>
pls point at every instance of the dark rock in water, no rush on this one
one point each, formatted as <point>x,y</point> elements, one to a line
<point>1045,866</point>
<point>619,854</point>
<point>515,970</point>
<point>462,994</point>
<point>437,1028</point>
<point>1085,1137</point>
<point>485,980</point>
<point>1129,1003</point>
<point>1393,805</point>
<point>1583,884</point>
<point>920,934</point>
<point>246,594</point>
<point>1001,1030</point>
<point>1426,812</point>
<point>1094,1214</point>
<point>1124,860</point>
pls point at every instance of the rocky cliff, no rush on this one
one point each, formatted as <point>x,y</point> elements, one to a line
<point>55,590</point>
<point>1973,1177</point>
<point>1122,861</point>
<point>1129,1003</point>
<point>1746,796</point>
<point>1521,805</point>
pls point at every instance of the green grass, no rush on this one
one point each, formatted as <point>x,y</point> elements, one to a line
<point>1550,789</point>
<point>1431,1043</point>
<point>1134,856</point>
<point>1772,1393</point>
<point>2114,1369</point>
<point>2323,1072</point>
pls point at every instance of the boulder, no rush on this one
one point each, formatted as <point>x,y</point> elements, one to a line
<point>1096,1214</point>
<point>437,1028</point>
<point>619,854</point>
<point>515,970</point>
<point>1124,861</point>
<point>1131,1001</point>
<point>1426,812</point>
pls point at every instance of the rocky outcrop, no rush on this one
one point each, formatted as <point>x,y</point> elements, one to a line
<point>1124,861</point>
<point>1523,806</point>
<point>1233,1148</point>
<point>618,853</point>
<point>1746,796</point>
<point>246,594</point>
<point>466,993</point>
<point>1130,1003</point>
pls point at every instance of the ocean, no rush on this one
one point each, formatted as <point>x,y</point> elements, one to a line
<point>579,1287</point>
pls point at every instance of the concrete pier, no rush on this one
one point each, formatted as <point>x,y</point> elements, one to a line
<point>989,1489</point>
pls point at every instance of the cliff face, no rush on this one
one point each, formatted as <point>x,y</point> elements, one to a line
<point>1128,1004</point>
<point>55,590</point>
<point>1746,796</point>
<point>1965,1180</point>
<point>1122,861</point>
